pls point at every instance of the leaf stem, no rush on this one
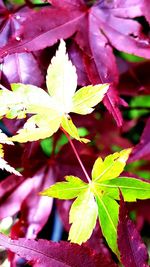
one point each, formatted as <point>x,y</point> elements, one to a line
<point>77,155</point>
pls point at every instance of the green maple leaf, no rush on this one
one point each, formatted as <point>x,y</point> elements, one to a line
<point>3,163</point>
<point>50,110</point>
<point>84,209</point>
<point>106,182</point>
<point>69,189</point>
<point>98,198</point>
<point>108,210</point>
<point>82,216</point>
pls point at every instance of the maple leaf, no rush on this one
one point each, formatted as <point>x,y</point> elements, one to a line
<point>10,21</point>
<point>111,167</point>
<point>133,252</point>
<point>142,149</point>
<point>3,163</point>
<point>48,19</point>
<point>27,69</point>
<point>48,253</point>
<point>76,56</point>
<point>135,79</point>
<point>21,195</point>
<point>32,218</point>
<point>98,197</point>
<point>84,209</point>
<point>95,30</point>
<point>50,111</point>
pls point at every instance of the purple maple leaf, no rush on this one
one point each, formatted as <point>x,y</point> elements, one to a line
<point>50,24</point>
<point>22,195</point>
<point>135,78</point>
<point>47,253</point>
<point>75,54</point>
<point>10,22</point>
<point>142,150</point>
<point>133,252</point>
<point>25,69</point>
<point>22,67</point>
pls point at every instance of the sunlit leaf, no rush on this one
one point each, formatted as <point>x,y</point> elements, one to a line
<point>70,128</point>
<point>66,190</point>
<point>61,79</point>
<point>3,163</point>
<point>87,97</point>
<point>97,168</point>
<point>105,189</point>
<point>50,110</point>
<point>83,215</point>
<point>34,98</point>
<point>131,188</point>
<point>10,106</point>
<point>24,99</point>
<point>38,127</point>
<point>4,139</point>
<point>111,167</point>
<point>5,166</point>
<point>30,99</point>
<point>108,210</point>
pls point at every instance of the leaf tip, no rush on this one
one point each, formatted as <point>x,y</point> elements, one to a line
<point>125,154</point>
<point>84,140</point>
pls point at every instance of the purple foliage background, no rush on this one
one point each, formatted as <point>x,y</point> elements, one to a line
<point>99,36</point>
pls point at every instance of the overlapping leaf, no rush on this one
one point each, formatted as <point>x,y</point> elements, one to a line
<point>108,188</point>
<point>133,251</point>
<point>68,125</point>
<point>84,209</point>
<point>23,99</point>
<point>10,22</point>
<point>99,195</point>
<point>32,219</point>
<point>48,253</point>
<point>25,69</point>
<point>50,110</point>
<point>111,167</point>
<point>108,210</point>
<point>66,190</point>
<point>132,188</point>
<point>135,79</point>
<point>142,150</point>
<point>95,30</point>
<point>50,24</point>
<point>3,163</point>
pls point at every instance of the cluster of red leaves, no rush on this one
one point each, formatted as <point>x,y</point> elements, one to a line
<point>28,39</point>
